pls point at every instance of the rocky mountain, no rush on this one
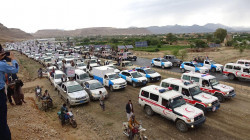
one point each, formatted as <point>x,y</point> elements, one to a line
<point>91,32</point>
<point>12,34</point>
<point>210,27</point>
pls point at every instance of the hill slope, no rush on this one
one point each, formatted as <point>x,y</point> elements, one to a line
<point>12,34</point>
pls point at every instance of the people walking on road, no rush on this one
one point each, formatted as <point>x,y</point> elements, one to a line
<point>102,97</point>
<point>129,109</point>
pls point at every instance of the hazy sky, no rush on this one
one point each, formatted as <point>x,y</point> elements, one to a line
<point>32,15</point>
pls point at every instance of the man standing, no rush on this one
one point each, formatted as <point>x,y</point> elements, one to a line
<point>129,109</point>
<point>5,68</point>
<point>102,97</point>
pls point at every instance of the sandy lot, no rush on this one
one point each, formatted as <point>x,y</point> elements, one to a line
<point>231,121</point>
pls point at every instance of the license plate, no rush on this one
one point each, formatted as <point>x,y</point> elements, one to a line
<point>158,78</point>
<point>122,86</point>
<point>81,101</point>
<point>144,82</point>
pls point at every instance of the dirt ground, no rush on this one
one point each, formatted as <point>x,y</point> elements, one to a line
<point>220,55</point>
<point>28,121</point>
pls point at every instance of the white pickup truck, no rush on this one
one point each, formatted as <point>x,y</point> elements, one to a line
<point>212,66</point>
<point>233,71</point>
<point>56,78</point>
<point>209,84</point>
<point>109,78</point>
<point>171,105</point>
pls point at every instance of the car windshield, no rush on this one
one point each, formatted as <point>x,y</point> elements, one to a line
<point>212,62</point>
<point>47,60</point>
<point>129,53</point>
<point>149,71</point>
<point>58,76</point>
<point>92,61</point>
<point>214,82</point>
<point>164,60</point>
<point>81,64</point>
<point>114,76</point>
<point>128,64</point>
<point>84,76</point>
<point>96,85</point>
<point>195,90</point>
<point>178,101</point>
<point>136,75</point>
<point>197,65</point>
<point>74,88</point>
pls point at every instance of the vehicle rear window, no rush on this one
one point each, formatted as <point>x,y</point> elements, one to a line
<point>229,66</point>
<point>144,93</point>
<point>186,77</point>
<point>237,67</point>
<point>195,79</point>
<point>176,88</point>
<point>240,62</point>
<point>154,97</point>
<point>163,84</point>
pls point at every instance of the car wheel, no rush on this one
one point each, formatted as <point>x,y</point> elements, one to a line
<point>111,88</point>
<point>181,126</point>
<point>163,66</point>
<point>182,70</point>
<point>149,110</point>
<point>152,65</point>
<point>202,108</point>
<point>149,80</point>
<point>134,84</point>
<point>175,64</point>
<point>213,70</point>
<point>231,76</point>
<point>220,97</point>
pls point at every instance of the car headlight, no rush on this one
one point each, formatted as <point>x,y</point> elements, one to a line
<point>209,104</point>
<point>190,120</point>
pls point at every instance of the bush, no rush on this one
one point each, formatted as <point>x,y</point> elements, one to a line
<point>183,54</point>
<point>157,50</point>
<point>175,52</point>
<point>158,46</point>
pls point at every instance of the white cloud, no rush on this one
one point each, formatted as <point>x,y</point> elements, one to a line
<point>32,15</point>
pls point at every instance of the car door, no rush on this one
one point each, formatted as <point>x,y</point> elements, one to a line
<point>186,95</point>
<point>166,111</point>
<point>86,87</point>
<point>245,73</point>
<point>129,77</point>
<point>154,100</point>
<point>106,80</point>
<point>157,62</point>
<point>207,64</point>
<point>191,67</point>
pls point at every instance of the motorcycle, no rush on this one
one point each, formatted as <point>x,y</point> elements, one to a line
<point>69,118</point>
<point>138,132</point>
<point>46,104</point>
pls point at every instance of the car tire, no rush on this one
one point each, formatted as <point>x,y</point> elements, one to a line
<point>202,108</point>
<point>213,70</point>
<point>149,110</point>
<point>181,126</point>
<point>134,84</point>
<point>163,67</point>
<point>152,65</point>
<point>220,97</point>
<point>182,70</point>
<point>175,64</point>
<point>111,88</point>
<point>149,80</point>
<point>231,76</point>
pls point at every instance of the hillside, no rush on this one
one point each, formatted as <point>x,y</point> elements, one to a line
<point>12,34</point>
<point>91,32</point>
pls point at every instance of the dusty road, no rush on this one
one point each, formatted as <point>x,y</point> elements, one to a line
<point>231,121</point>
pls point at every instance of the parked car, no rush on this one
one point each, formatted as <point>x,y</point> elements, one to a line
<point>73,93</point>
<point>194,67</point>
<point>176,62</point>
<point>93,87</point>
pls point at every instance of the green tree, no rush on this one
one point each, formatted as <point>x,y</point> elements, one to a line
<point>183,54</point>
<point>200,44</point>
<point>86,40</point>
<point>171,38</point>
<point>209,37</point>
<point>220,34</point>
